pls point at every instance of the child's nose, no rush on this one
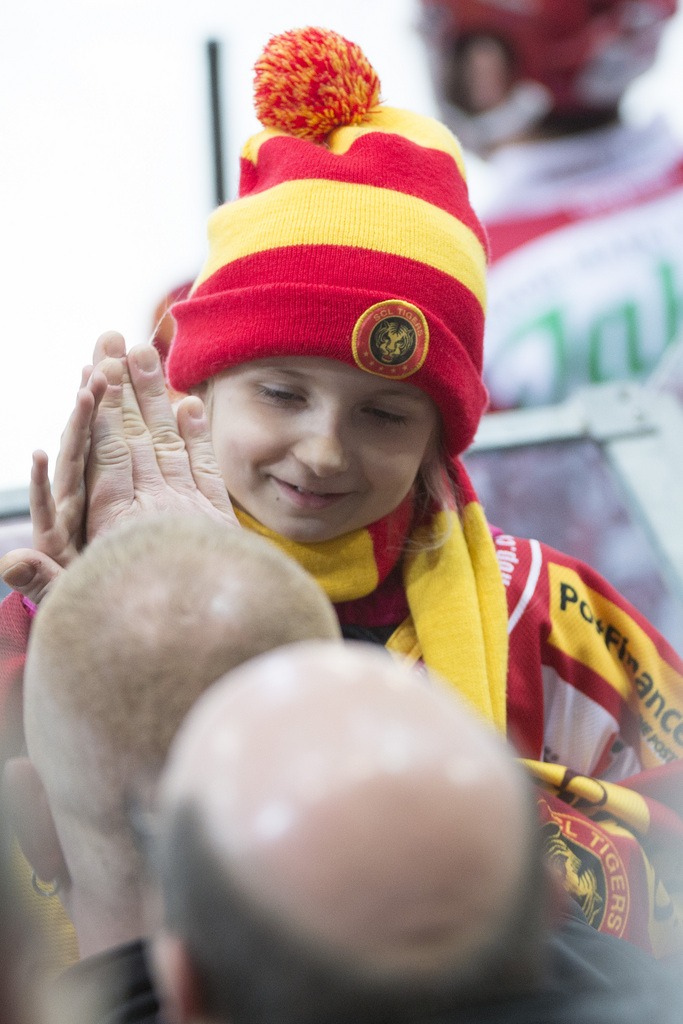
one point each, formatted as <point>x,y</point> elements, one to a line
<point>323,453</point>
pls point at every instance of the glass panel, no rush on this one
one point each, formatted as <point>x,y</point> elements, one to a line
<point>565,495</point>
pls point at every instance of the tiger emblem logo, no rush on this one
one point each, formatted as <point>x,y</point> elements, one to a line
<point>393,341</point>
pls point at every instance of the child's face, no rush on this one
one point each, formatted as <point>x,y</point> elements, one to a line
<point>313,448</point>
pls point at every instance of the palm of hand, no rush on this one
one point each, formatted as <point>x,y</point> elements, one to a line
<point>144,458</point>
<point>124,453</point>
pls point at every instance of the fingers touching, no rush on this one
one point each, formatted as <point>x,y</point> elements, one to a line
<point>144,457</point>
<point>194,428</point>
<point>124,451</point>
<point>109,345</point>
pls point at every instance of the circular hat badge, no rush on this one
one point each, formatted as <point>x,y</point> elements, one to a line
<point>391,339</point>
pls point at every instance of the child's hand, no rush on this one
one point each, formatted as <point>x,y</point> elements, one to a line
<point>146,458</point>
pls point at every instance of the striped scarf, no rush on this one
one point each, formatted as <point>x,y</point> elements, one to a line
<point>457,622</point>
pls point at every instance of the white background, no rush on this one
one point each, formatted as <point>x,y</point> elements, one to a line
<point>106,173</point>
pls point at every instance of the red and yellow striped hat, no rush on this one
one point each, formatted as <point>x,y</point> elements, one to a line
<point>352,238</point>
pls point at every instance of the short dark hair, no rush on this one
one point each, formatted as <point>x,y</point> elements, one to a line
<point>253,968</point>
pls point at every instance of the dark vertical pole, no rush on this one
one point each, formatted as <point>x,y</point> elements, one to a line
<point>213,53</point>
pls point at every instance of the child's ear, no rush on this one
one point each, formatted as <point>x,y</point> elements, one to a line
<point>30,817</point>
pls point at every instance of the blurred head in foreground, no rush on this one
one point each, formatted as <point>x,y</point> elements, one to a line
<point>339,840</point>
<point>146,619</point>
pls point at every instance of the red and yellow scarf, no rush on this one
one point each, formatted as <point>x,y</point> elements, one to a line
<point>457,621</point>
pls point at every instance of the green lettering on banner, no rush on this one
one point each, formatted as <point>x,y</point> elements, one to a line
<point>673,301</point>
<point>626,315</point>
<point>553,324</point>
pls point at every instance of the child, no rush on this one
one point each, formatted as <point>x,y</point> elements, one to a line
<point>335,334</point>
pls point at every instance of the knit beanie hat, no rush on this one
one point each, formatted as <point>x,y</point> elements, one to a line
<point>352,238</point>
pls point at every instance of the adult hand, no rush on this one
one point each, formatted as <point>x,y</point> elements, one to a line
<point>146,458</point>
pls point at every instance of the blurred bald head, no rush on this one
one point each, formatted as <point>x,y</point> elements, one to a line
<point>146,619</point>
<point>361,822</point>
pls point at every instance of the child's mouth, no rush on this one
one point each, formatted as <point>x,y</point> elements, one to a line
<point>303,498</point>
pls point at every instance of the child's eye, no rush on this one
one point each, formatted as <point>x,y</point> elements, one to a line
<point>279,394</point>
<point>383,416</point>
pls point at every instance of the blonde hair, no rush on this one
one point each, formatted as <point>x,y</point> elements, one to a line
<point>436,490</point>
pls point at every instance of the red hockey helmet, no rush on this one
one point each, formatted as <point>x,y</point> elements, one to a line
<point>582,52</point>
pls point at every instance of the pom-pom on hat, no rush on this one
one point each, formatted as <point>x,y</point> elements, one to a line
<point>308,82</point>
<point>352,238</point>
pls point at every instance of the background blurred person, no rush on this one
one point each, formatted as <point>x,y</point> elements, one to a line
<point>586,210</point>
